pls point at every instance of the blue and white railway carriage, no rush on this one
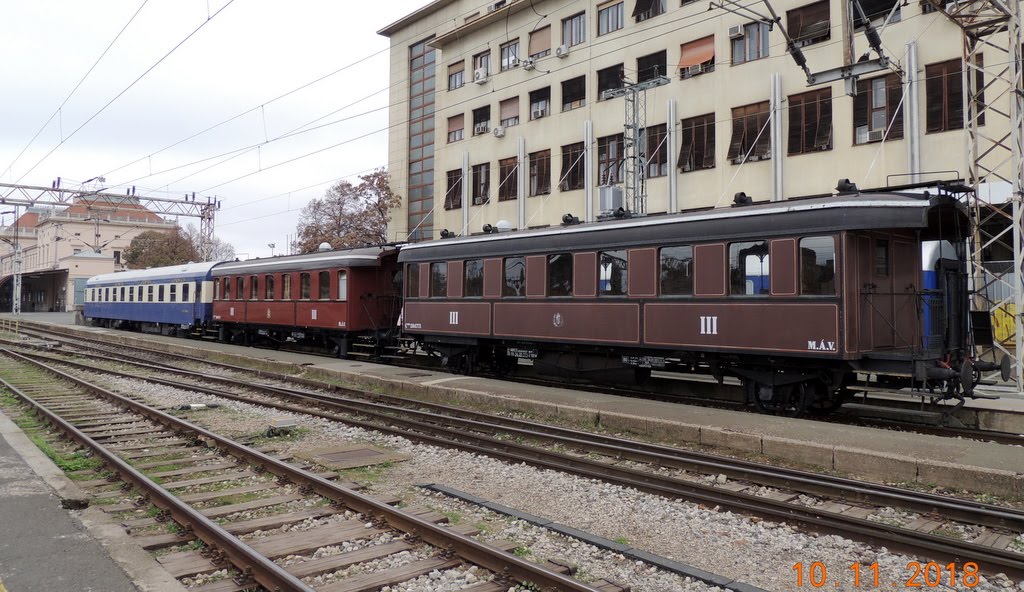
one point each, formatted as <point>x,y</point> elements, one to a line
<point>164,299</point>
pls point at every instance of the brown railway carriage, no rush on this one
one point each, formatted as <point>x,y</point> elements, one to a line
<point>793,297</point>
<point>330,297</point>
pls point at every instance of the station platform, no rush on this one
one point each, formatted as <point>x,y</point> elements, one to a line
<point>47,548</point>
<point>877,454</point>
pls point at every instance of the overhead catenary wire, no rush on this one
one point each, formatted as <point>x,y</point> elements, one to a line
<point>126,89</point>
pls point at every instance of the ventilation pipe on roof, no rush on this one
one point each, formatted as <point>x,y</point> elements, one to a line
<point>324,247</point>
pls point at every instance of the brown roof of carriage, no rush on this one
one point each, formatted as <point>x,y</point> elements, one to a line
<point>791,217</point>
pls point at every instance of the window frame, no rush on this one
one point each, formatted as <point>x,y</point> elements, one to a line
<point>412,280</point>
<point>540,173</point>
<point>508,179</point>
<point>654,8</point>
<point>656,147</point>
<point>743,51</point>
<point>751,138</point>
<point>688,272</point>
<point>804,268</point>
<point>514,260</point>
<point>701,131</point>
<point>457,78</point>
<point>610,159</point>
<point>864,109</point>
<point>540,98</point>
<point>574,29</point>
<point>571,100</point>
<point>481,177</point>
<point>476,281</point>
<point>762,292</point>
<point>573,170</point>
<point>342,285</point>
<point>305,285</point>
<point>561,287</point>
<point>607,22</point>
<point>482,61</point>
<point>603,292</point>
<point>268,286</point>
<point>509,54</point>
<point>809,113</point>
<point>453,191</point>
<point>438,279</point>
<point>323,288</point>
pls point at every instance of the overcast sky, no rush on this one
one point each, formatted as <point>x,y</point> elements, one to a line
<point>249,53</point>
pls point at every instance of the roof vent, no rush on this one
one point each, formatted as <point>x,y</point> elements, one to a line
<point>846,186</point>
<point>741,199</point>
<point>324,247</point>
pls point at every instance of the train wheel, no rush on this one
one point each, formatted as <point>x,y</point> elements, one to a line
<point>788,400</point>
<point>822,400</point>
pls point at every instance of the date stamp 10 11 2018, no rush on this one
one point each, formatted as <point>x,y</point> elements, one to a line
<point>918,575</point>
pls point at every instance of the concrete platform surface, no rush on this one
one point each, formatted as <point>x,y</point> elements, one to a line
<point>877,454</point>
<point>45,548</point>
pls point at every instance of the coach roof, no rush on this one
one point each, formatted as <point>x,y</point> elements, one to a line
<point>365,257</point>
<point>185,272</point>
<point>804,216</point>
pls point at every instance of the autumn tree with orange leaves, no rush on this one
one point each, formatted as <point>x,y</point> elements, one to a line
<point>348,215</point>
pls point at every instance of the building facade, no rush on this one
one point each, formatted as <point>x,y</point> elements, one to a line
<point>514,110</point>
<point>63,247</point>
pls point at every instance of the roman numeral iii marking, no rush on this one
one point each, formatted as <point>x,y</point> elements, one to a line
<point>453,317</point>
<point>709,325</point>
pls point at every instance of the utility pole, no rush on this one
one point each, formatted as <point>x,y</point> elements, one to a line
<point>634,156</point>
<point>16,275</point>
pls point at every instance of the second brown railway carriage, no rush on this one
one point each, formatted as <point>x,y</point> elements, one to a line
<point>326,298</point>
<point>794,297</point>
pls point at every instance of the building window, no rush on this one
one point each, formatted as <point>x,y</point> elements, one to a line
<point>810,122</point>
<point>304,286</point>
<point>481,183</point>
<point>809,24</point>
<point>651,66</point>
<point>560,274</point>
<point>481,120</point>
<point>572,167</point>
<point>656,150</point>
<point>509,112</point>
<point>697,57</point>
<point>342,285</point>
<point>286,286</point>
<point>751,45</point>
<point>818,266</point>
<point>323,281</point>
<point>608,79</point>
<point>877,108</point>
<point>117,257</point>
<point>509,55</point>
<point>574,93</point>
<point>540,103</point>
<point>482,64</point>
<point>540,172</point>
<point>453,195</point>
<point>676,277</point>
<point>609,159</point>
<point>456,123</point>
<point>456,75</point>
<point>749,270</point>
<point>610,17</point>
<point>268,286</point>
<point>751,139</point>
<point>508,179</point>
<point>473,278</point>
<point>515,277</point>
<point>420,184</point>
<point>412,280</point>
<point>646,9</point>
<point>540,42</point>
<point>439,280</point>
<point>697,144</point>
<point>574,29</point>
<point>877,11</point>
<point>944,99</point>
<point>613,273</point>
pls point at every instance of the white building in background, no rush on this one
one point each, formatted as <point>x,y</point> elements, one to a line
<point>63,247</point>
<point>498,109</point>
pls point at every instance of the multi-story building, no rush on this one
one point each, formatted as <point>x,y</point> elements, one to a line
<point>62,247</point>
<point>501,110</point>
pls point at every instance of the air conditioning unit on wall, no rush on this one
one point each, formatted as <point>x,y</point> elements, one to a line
<point>537,114</point>
<point>498,131</point>
<point>735,31</point>
<point>480,75</point>
<point>562,51</point>
<point>529,64</point>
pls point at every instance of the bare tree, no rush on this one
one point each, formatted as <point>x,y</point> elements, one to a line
<point>222,251</point>
<point>159,248</point>
<point>348,215</point>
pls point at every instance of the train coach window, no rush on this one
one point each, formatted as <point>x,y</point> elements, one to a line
<point>412,280</point>
<point>303,286</point>
<point>818,265</point>
<point>173,293</point>
<point>515,277</point>
<point>560,274</point>
<point>676,271</point>
<point>881,257</point>
<point>185,295</point>
<point>149,293</point>
<point>106,294</point>
<point>439,280</point>
<point>254,287</point>
<point>324,284</point>
<point>226,288</point>
<point>268,283</point>
<point>122,294</point>
<point>473,278</point>
<point>286,286</point>
<point>749,269</point>
<point>160,293</point>
<point>342,285</point>
<point>239,288</point>
<point>613,273</point>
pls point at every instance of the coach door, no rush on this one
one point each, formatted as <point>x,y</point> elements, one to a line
<point>875,281</point>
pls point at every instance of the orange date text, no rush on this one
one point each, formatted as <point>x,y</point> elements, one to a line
<point>917,575</point>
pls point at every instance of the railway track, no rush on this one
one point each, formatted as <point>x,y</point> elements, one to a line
<point>706,393</point>
<point>190,475</point>
<point>817,502</point>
